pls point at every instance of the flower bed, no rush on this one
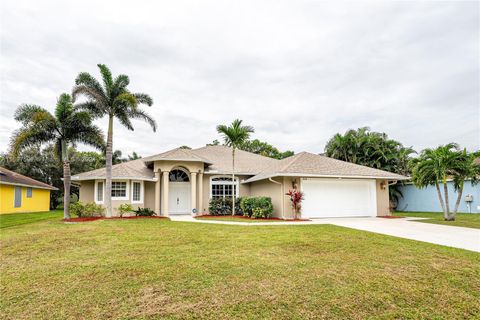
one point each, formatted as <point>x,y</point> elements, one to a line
<point>272,219</point>
<point>87,219</point>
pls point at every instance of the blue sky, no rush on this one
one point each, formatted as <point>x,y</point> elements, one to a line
<point>298,71</point>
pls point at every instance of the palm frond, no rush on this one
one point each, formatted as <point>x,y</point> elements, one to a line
<point>142,115</point>
<point>143,98</point>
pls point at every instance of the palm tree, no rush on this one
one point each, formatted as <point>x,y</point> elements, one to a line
<point>466,169</point>
<point>234,136</point>
<point>115,101</point>
<point>435,166</point>
<point>66,127</point>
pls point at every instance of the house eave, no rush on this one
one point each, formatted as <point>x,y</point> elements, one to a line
<point>28,185</point>
<point>304,175</point>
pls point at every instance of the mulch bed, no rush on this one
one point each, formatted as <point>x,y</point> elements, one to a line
<point>248,218</point>
<point>391,217</point>
<point>87,219</point>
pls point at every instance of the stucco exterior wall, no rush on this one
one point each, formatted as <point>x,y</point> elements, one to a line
<point>87,191</point>
<point>266,188</point>
<point>149,196</point>
<point>383,200</point>
<point>40,200</point>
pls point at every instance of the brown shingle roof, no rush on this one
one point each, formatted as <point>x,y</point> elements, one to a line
<point>219,160</point>
<point>13,178</point>
<point>135,169</point>
<point>309,164</point>
<point>245,162</point>
<point>178,154</point>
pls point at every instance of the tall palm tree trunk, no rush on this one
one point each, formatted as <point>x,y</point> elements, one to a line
<point>447,205</point>
<point>66,182</point>
<point>459,198</point>
<point>108,167</point>
<point>233,181</point>
<point>442,204</point>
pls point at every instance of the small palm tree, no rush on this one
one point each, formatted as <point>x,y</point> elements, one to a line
<point>435,166</point>
<point>114,101</point>
<point>234,136</point>
<point>466,169</point>
<point>67,127</point>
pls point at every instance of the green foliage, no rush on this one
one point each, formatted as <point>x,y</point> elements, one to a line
<point>124,209</point>
<point>89,209</point>
<point>436,166</point>
<point>221,207</point>
<point>257,207</point>
<point>144,212</point>
<point>372,149</point>
<point>263,148</point>
<point>236,134</point>
<point>369,148</point>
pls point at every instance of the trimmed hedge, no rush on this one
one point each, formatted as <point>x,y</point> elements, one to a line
<point>89,209</point>
<point>223,207</point>
<point>257,207</point>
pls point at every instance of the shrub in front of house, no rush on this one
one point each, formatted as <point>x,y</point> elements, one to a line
<point>124,208</point>
<point>257,207</point>
<point>223,207</point>
<point>144,212</point>
<point>87,210</point>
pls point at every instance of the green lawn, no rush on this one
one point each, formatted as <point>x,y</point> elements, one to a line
<point>470,220</point>
<point>13,219</point>
<point>237,219</point>
<point>157,269</point>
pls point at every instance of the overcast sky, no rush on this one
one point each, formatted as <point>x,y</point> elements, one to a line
<point>298,71</point>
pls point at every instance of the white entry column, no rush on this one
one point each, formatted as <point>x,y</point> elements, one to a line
<point>157,192</point>
<point>200,193</point>
<point>165,185</point>
<point>193,193</point>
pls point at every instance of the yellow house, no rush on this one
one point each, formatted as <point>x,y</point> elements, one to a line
<point>19,193</point>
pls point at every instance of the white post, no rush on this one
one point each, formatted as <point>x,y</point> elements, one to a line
<point>193,193</point>
<point>165,175</point>
<point>157,193</point>
<point>200,193</point>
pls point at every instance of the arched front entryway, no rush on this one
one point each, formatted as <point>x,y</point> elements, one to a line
<point>180,192</point>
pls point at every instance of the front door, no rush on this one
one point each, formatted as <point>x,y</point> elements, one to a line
<point>179,198</point>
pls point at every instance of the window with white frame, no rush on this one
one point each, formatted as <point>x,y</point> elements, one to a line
<point>119,189</point>
<point>136,192</point>
<point>29,192</point>
<point>222,186</point>
<point>99,192</point>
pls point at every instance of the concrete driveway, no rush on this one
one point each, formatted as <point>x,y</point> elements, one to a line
<point>456,237</point>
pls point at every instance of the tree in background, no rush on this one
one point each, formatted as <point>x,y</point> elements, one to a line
<point>117,157</point>
<point>372,149</point>
<point>234,136</point>
<point>113,100</point>
<point>259,147</point>
<point>65,128</point>
<point>262,148</point>
<point>437,166</point>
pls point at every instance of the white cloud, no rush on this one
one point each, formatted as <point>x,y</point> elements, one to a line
<point>297,71</point>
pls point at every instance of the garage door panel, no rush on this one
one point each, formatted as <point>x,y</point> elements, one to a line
<point>338,198</point>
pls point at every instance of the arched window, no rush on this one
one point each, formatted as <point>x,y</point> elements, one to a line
<point>178,176</point>
<point>222,186</point>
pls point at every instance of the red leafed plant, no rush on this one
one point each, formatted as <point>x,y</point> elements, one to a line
<point>296,198</point>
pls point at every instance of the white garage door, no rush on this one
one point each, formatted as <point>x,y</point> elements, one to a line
<point>338,198</point>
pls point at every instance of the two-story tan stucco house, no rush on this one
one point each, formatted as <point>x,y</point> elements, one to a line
<point>182,181</point>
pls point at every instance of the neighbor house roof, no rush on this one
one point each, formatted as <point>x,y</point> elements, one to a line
<point>16,179</point>
<point>219,160</point>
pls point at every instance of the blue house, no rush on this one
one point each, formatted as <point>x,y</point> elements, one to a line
<point>426,199</point>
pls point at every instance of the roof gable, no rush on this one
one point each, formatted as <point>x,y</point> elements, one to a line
<point>13,178</point>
